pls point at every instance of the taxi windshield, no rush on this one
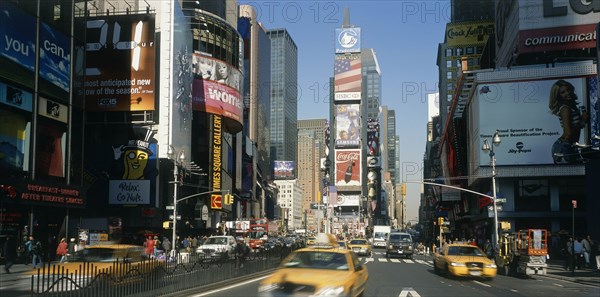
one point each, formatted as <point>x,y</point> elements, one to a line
<point>464,251</point>
<point>216,240</point>
<point>358,241</point>
<point>317,260</point>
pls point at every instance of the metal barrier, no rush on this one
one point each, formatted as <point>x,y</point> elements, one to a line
<point>156,276</point>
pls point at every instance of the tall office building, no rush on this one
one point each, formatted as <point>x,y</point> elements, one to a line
<point>389,153</point>
<point>372,83</point>
<point>311,148</point>
<point>284,106</point>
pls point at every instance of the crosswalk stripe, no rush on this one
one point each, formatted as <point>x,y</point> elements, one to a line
<point>395,260</point>
<point>409,261</point>
<point>382,260</point>
<point>420,261</point>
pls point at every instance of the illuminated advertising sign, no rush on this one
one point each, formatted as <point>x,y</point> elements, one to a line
<point>558,39</point>
<point>538,14</point>
<point>347,200</point>
<point>53,110</point>
<point>55,57</point>
<point>218,99</point>
<point>284,169</point>
<point>347,40</point>
<point>120,61</point>
<point>372,137</point>
<point>347,79</point>
<point>347,167</point>
<point>16,97</point>
<point>216,153</point>
<point>520,112</point>
<point>211,69</point>
<point>348,125</point>
<point>17,35</point>
<point>134,172</point>
<point>468,33</point>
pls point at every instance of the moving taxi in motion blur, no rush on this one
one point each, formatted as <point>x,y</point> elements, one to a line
<point>464,260</point>
<point>323,269</point>
<point>360,247</point>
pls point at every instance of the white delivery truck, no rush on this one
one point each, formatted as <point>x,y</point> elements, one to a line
<point>380,234</point>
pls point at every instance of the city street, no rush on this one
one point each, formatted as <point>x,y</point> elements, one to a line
<point>404,277</point>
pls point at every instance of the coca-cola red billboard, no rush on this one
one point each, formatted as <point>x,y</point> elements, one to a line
<point>347,167</point>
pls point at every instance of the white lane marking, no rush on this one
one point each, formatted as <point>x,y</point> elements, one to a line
<point>408,292</point>
<point>409,261</point>
<point>513,290</point>
<point>420,261</point>
<point>480,283</point>
<point>395,260</point>
<point>382,260</point>
<point>558,285</point>
<point>229,287</point>
<point>367,260</point>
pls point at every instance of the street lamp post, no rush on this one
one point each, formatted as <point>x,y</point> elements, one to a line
<point>487,147</point>
<point>176,161</point>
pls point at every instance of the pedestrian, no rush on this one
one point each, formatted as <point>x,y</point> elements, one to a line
<point>29,250</point>
<point>36,252</point>
<point>149,245</point>
<point>578,249</point>
<point>71,248</point>
<point>61,250</point>
<point>10,253</point>
<point>488,249</point>
<point>569,254</point>
<point>587,250</point>
<point>166,244</point>
<point>241,251</point>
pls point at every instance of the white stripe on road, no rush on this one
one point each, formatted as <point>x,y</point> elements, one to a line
<point>382,260</point>
<point>558,285</point>
<point>409,261</point>
<point>480,283</point>
<point>228,287</point>
<point>395,260</point>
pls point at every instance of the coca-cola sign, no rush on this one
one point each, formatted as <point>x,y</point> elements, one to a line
<point>347,167</point>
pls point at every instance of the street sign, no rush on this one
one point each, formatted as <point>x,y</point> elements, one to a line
<point>204,213</point>
<point>500,200</point>
<point>171,217</point>
<point>170,207</point>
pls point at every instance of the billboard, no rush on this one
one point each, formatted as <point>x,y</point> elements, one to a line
<point>347,40</point>
<point>55,57</point>
<point>558,39</point>
<point>284,169</point>
<point>372,137</point>
<point>17,32</point>
<point>347,167</point>
<point>120,61</point>
<point>347,79</point>
<point>542,14</point>
<point>520,112</point>
<point>347,200</point>
<point>468,33</point>
<point>216,88</point>
<point>348,125</point>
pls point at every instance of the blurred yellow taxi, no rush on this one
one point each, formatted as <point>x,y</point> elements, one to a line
<point>324,269</point>
<point>311,240</point>
<point>360,246</point>
<point>342,244</point>
<point>464,260</point>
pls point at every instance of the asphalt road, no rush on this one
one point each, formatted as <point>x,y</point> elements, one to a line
<point>403,278</point>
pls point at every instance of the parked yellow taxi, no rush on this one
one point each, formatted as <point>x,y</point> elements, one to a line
<point>360,246</point>
<point>323,269</point>
<point>464,260</point>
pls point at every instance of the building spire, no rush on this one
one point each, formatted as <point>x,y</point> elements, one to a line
<point>346,23</point>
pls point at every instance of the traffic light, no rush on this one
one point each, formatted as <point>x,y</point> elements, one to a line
<point>403,189</point>
<point>440,221</point>
<point>228,199</point>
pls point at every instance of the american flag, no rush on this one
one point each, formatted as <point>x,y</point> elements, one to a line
<point>347,75</point>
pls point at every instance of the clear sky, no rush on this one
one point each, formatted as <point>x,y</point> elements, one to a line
<point>405,36</point>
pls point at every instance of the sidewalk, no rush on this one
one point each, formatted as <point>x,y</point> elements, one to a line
<point>588,276</point>
<point>17,283</point>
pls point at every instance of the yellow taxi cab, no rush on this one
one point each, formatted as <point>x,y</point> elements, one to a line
<point>311,240</point>
<point>342,244</point>
<point>360,246</point>
<point>465,260</point>
<point>323,269</point>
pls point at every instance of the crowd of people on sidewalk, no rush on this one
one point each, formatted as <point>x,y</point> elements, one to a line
<point>581,253</point>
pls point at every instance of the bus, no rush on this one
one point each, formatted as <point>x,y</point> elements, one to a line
<point>255,231</point>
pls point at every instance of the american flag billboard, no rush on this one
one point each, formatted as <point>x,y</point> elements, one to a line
<point>347,79</point>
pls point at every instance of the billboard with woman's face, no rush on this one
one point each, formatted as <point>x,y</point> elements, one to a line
<point>216,88</point>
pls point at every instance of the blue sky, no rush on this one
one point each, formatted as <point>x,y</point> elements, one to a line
<point>405,36</point>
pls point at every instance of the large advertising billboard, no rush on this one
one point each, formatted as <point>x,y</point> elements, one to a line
<point>347,79</point>
<point>468,33</point>
<point>284,169</point>
<point>529,131</point>
<point>17,35</point>
<point>120,61</point>
<point>541,14</point>
<point>348,125</point>
<point>55,57</point>
<point>216,88</point>
<point>347,167</point>
<point>347,40</point>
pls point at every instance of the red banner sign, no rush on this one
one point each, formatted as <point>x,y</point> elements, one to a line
<point>216,201</point>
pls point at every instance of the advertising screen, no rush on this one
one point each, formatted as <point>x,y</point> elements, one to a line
<point>284,169</point>
<point>120,61</point>
<point>347,40</point>
<point>347,167</point>
<point>55,56</point>
<point>347,79</point>
<point>348,125</point>
<point>17,32</point>
<point>528,129</point>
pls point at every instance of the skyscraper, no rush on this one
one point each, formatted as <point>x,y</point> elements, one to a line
<point>284,96</point>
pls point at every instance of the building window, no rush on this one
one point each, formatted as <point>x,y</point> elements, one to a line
<point>448,52</point>
<point>449,63</point>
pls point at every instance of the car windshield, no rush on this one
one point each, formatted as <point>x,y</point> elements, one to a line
<point>464,251</point>
<point>317,260</point>
<point>341,243</point>
<point>216,240</point>
<point>358,241</point>
<point>400,237</point>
